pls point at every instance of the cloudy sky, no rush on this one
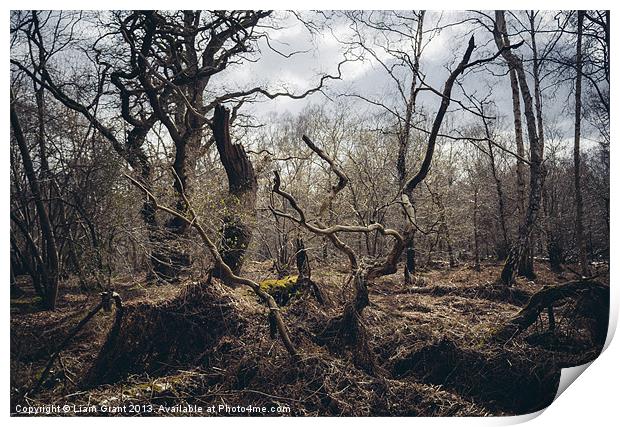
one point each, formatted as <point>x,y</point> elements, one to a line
<point>321,52</point>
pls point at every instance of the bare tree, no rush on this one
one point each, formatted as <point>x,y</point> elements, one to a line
<point>536,154</point>
<point>397,29</point>
<point>242,188</point>
<point>47,256</point>
<point>388,266</point>
<point>581,248</point>
<point>161,65</point>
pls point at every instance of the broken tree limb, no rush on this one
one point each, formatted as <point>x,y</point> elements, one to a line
<point>242,191</point>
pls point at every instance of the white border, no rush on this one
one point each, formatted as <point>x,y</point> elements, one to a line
<point>592,401</point>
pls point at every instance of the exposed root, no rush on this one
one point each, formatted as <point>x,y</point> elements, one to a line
<point>347,331</point>
<point>594,298</point>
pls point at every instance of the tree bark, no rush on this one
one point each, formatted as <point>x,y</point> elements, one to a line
<point>526,265</point>
<point>242,189</point>
<point>403,147</point>
<point>516,110</point>
<point>50,265</point>
<point>581,247</point>
<point>536,155</point>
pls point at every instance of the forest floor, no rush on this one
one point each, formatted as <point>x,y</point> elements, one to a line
<point>183,345</point>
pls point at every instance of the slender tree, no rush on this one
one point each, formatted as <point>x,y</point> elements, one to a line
<point>581,247</point>
<point>536,154</point>
<point>49,266</point>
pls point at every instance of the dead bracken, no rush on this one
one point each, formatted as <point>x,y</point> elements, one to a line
<point>436,352</point>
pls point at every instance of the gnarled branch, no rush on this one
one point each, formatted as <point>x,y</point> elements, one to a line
<point>226,274</point>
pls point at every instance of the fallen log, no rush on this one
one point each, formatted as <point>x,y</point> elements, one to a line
<point>548,296</point>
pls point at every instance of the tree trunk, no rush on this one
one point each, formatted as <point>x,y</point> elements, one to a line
<point>476,236</point>
<point>526,264</point>
<point>161,256</point>
<point>172,259</point>
<point>49,265</point>
<point>502,250</point>
<point>516,110</point>
<point>581,247</point>
<point>403,146</point>
<point>536,156</point>
<point>410,260</point>
<point>242,189</point>
<point>389,265</point>
<point>304,281</point>
<point>448,238</point>
<point>554,246</point>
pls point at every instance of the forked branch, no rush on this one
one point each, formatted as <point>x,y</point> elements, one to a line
<point>343,180</point>
<point>317,226</point>
<point>443,108</point>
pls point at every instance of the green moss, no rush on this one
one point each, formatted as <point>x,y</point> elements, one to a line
<point>38,373</point>
<point>280,289</point>
<point>273,284</point>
